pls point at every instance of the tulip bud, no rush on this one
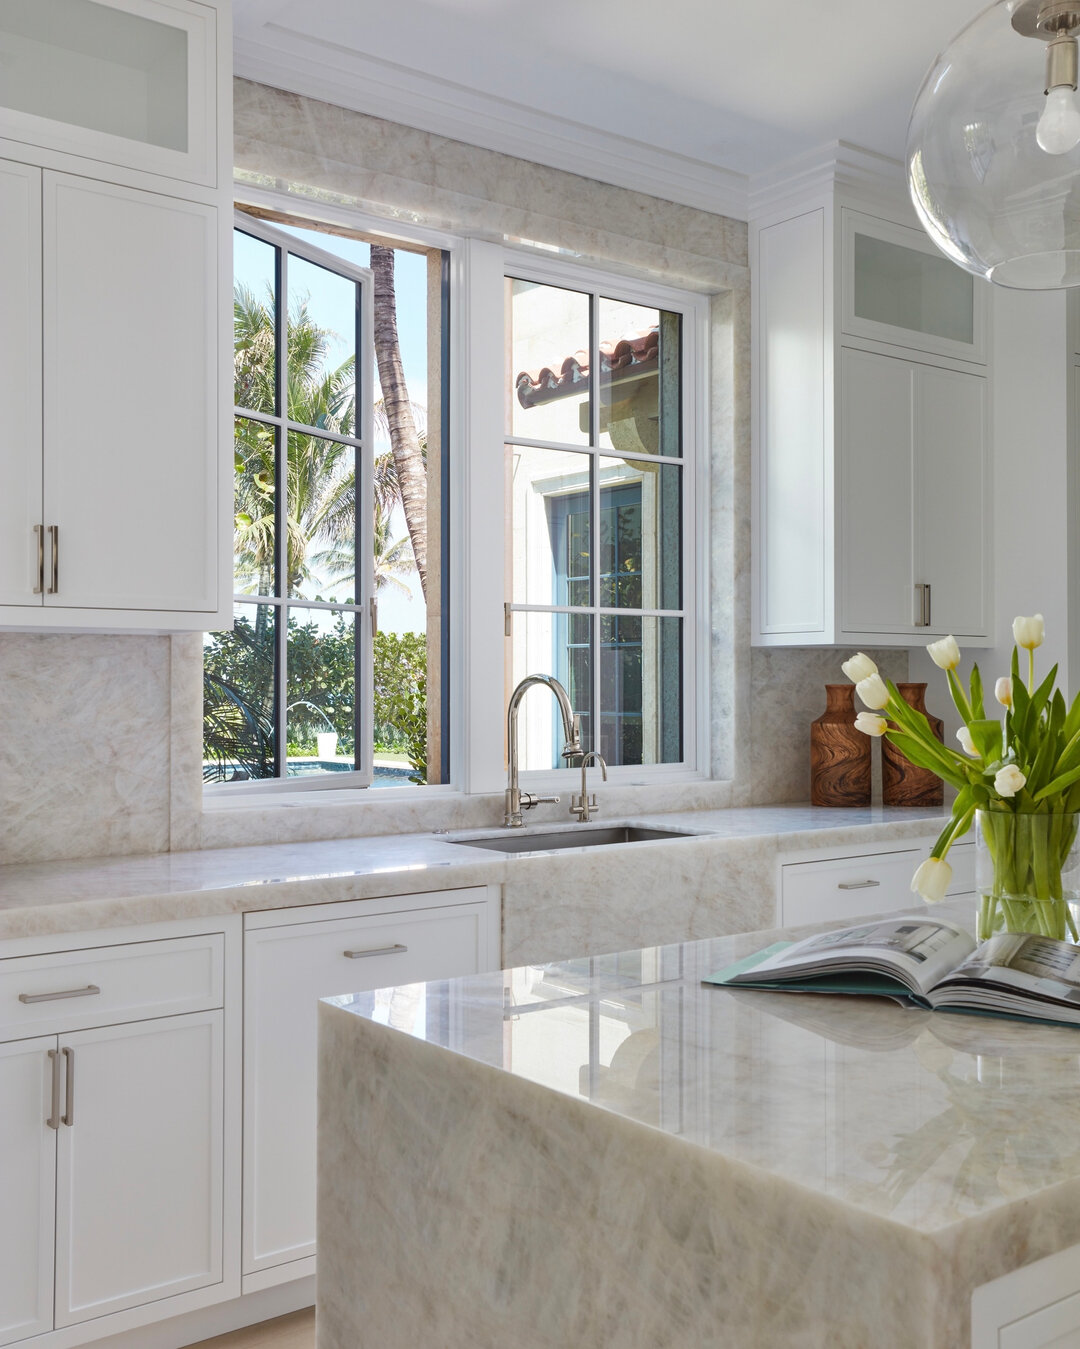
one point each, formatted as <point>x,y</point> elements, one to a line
<point>1008,780</point>
<point>1003,691</point>
<point>859,666</point>
<point>872,691</point>
<point>945,654</point>
<point>966,742</point>
<point>871,724</point>
<point>932,879</point>
<point>1028,632</point>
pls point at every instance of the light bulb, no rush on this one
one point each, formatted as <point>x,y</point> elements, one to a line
<point>1059,126</point>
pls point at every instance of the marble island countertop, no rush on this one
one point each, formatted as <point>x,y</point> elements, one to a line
<point>639,1159</point>
<point>88,894</point>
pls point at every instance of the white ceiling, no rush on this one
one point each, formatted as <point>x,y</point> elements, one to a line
<point>692,89</point>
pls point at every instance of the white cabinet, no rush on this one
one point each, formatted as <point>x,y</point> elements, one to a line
<point>115,332</point>
<point>27,1187</point>
<point>291,960</point>
<point>871,442</point>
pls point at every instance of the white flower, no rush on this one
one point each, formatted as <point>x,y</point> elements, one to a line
<point>1028,632</point>
<point>1003,691</point>
<point>945,654</point>
<point>1009,780</point>
<point>871,724</point>
<point>872,691</point>
<point>932,879</point>
<point>859,666</point>
<point>966,742</point>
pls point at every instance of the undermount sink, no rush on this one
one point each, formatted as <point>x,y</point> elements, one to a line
<point>513,841</point>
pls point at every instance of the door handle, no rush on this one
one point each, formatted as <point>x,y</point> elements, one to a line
<point>54,540</point>
<point>68,1117</point>
<point>926,591</point>
<point>922,606</point>
<point>54,1112</point>
<point>87,992</point>
<point>39,535</point>
<point>376,951</point>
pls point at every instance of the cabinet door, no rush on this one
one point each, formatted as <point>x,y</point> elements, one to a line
<point>20,382</point>
<point>27,1182</point>
<point>139,1179</point>
<point>953,525</point>
<point>286,971</point>
<point>877,429</point>
<point>131,444</point>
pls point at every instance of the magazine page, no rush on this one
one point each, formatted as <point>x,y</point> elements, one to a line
<point>916,950</point>
<point>1011,972</point>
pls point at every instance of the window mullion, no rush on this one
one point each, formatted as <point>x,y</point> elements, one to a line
<point>281,554</point>
<point>594,513</point>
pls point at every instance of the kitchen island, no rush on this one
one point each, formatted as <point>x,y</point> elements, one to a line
<point>605,1152</point>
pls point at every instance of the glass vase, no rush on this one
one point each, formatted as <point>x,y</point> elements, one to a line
<point>1027,872</point>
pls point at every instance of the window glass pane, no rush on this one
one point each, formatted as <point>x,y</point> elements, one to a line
<point>255,495</point>
<point>320,713</point>
<point>640,390</point>
<point>907,288</point>
<point>549,525</point>
<point>640,549</point>
<point>254,319</point>
<point>557,644</point>
<point>238,697</point>
<point>321,528</point>
<point>640,689</point>
<point>549,363</point>
<point>322,347</point>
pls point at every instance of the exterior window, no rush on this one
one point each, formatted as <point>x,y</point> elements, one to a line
<point>595,462</point>
<point>333,672</point>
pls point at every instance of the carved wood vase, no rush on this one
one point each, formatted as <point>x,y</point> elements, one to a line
<point>902,783</point>
<point>839,754</point>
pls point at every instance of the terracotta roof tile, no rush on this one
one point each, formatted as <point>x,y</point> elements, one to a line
<point>633,354</point>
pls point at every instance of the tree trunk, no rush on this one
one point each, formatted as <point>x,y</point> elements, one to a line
<point>404,440</point>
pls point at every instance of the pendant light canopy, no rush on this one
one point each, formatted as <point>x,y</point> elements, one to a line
<point>993,154</point>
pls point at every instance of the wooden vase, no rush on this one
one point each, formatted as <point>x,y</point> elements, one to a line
<point>839,754</point>
<point>902,783</point>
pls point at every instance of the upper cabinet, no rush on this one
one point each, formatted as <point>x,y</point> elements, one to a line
<point>871,432</point>
<point>115,334</point>
<point>119,82</point>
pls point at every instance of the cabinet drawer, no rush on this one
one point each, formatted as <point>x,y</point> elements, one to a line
<point>68,990</point>
<point>849,887</point>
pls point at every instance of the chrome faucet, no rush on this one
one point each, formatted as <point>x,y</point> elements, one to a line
<point>516,800</point>
<point>584,806</point>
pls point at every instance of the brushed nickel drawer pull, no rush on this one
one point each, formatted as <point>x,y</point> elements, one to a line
<point>377,951</point>
<point>87,992</point>
<point>54,1112</point>
<point>39,535</point>
<point>68,1117</point>
<point>857,885</point>
<point>54,585</point>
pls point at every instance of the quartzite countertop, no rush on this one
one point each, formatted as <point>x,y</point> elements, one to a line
<point>607,1153</point>
<point>94,893</point>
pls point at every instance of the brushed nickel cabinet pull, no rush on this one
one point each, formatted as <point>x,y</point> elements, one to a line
<point>857,885</point>
<point>54,1112</point>
<point>927,604</point>
<point>377,951</point>
<point>68,1117</point>
<point>39,534</point>
<point>87,992</point>
<point>922,606</point>
<point>54,539</point>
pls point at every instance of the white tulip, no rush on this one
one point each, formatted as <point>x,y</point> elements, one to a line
<point>1029,632</point>
<point>932,879</point>
<point>966,742</point>
<point>871,724</point>
<point>1009,780</point>
<point>945,654</point>
<point>1003,691</point>
<point>859,666</point>
<point>872,691</point>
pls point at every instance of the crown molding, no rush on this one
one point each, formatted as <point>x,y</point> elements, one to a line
<point>818,172</point>
<point>287,60</point>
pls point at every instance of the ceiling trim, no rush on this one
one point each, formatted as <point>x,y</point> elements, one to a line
<point>837,164</point>
<point>326,71</point>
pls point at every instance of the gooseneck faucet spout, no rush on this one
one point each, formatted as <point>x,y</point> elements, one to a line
<point>516,800</point>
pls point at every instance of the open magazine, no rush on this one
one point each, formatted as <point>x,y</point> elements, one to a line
<point>926,962</point>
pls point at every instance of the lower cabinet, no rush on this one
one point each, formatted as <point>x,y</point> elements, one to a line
<point>292,958</point>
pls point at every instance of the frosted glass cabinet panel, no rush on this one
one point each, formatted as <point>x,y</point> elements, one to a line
<point>899,288</point>
<point>120,81</point>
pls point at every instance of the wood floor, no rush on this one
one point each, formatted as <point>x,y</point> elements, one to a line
<point>296,1331</point>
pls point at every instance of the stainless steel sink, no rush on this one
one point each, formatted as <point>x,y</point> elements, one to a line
<point>513,841</point>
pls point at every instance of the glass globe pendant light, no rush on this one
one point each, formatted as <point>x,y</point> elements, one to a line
<point>993,154</point>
